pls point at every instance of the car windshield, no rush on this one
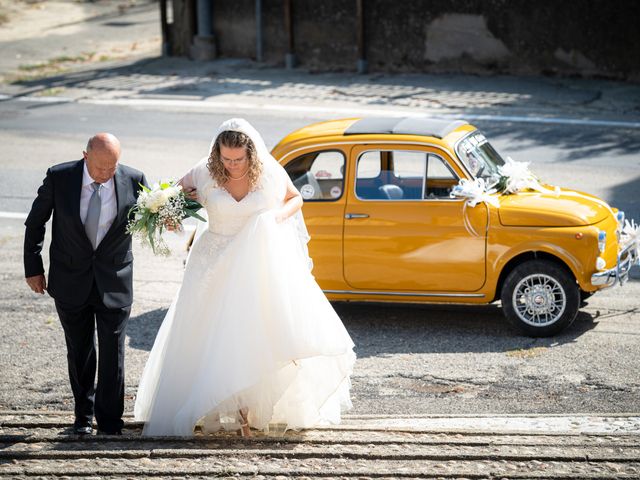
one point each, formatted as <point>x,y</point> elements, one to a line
<point>480,158</point>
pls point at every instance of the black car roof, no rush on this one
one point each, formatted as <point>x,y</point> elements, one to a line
<point>404,126</point>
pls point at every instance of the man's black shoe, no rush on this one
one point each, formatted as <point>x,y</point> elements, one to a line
<point>82,430</point>
<point>104,432</point>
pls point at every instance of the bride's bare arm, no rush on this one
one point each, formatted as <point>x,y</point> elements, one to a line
<point>188,183</point>
<point>292,203</point>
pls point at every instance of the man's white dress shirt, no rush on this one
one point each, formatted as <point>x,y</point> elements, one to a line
<point>108,203</point>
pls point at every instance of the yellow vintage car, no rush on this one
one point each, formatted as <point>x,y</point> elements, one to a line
<point>385,227</point>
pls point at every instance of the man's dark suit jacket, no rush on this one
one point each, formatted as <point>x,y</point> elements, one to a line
<point>74,265</point>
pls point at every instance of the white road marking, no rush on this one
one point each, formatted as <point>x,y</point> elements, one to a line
<point>22,216</point>
<point>14,215</point>
<point>348,111</point>
<point>37,99</point>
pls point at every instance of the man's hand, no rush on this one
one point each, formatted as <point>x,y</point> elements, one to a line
<point>191,193</point>
<point>37,283</point>
<point>173,227</point>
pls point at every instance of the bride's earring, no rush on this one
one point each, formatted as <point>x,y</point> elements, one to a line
<point>245,430</point>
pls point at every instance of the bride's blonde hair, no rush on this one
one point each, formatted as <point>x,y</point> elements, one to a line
<point>233,139</point>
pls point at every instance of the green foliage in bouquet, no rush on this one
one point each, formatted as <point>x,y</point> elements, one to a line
<point>157,208</point>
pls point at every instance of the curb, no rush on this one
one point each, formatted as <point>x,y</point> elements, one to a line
<point>538,424</point>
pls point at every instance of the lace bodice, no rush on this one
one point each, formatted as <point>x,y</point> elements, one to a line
<point>227,216</point>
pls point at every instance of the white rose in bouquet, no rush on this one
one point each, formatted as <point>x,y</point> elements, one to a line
<point>165,204</point>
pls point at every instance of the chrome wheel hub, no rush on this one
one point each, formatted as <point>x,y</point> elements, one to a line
<point>539,300</point>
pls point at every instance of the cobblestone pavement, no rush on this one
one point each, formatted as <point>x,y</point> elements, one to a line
<point>240,84</point>
<point>37,444</point>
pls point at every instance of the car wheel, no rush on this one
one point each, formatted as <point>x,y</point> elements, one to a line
<point>540,298</point>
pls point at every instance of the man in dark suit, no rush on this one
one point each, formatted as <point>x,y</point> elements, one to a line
<point>90,272</point>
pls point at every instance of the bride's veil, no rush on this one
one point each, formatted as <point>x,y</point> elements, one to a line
<point>274,178</point>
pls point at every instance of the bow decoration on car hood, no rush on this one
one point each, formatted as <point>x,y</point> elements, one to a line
<point>512,177</point>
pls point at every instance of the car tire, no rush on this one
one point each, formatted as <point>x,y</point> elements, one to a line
<point>540,298</point>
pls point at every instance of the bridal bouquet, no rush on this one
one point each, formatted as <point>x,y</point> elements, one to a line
<point>162,206</point>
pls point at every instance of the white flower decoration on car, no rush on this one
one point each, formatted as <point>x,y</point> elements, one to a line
<point>512,177</point>
<point>517,177</point>
<point>630,234</point>
<point>475,191</point>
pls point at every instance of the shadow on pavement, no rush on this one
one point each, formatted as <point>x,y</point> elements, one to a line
<point>575,143</point>
<point>142,329</point>
<point>379,329</point>
<point>626,197</point>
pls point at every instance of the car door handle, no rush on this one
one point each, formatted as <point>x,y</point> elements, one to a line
<point>349,216</point>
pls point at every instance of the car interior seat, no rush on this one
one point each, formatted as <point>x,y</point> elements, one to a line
<point>391,192</point>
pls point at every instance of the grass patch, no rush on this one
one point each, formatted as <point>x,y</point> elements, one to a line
<point>18,79</point>
<point>55,66</point>
<point>56,62</point>
<point>50,92</point>
<point>78,58</point>
<point>32,68</point>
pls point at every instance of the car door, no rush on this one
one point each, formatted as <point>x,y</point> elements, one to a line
<point>319,176</point>
<point>402,231</point>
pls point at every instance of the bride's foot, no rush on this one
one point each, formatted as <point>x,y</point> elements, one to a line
<point>245,430</point>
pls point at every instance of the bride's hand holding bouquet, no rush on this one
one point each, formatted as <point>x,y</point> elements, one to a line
<point>164,206</point>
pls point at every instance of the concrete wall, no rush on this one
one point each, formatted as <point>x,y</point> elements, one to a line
<point>573,37</point>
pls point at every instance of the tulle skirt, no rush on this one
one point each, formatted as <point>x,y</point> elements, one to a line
<point>249,328</point>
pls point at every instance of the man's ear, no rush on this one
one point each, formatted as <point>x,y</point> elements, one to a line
<point>84,155</point>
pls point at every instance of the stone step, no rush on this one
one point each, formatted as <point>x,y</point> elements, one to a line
<point>532,424</point>
<point>317,467</point>
<point>230,477</point>
<point>302,451</point>
<point>63,434</point>
<point>40,444</point>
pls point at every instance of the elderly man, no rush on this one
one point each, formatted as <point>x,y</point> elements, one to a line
<point>90,272</point>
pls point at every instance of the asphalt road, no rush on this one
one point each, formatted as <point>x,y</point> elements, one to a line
<point>603,161</point>
<point>412,359</point>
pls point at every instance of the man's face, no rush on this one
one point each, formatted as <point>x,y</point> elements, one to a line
<point>101,163</point>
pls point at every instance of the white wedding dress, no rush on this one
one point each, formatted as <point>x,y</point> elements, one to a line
<point>249,328</point>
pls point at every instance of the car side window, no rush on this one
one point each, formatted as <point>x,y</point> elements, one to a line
<point>318,176</point>
<point>391,175</point>
<point>369,165</point>
<point>440,178</point>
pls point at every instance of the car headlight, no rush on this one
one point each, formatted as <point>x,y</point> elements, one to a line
<point>600,263</point>
<point>602,240</point>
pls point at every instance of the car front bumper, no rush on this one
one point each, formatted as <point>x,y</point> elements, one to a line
<point>627,258</point>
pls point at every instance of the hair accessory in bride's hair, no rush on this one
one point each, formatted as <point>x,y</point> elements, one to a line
<point>237,125</point>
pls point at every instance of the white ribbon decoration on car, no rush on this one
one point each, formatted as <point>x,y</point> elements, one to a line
<point>475,191</point>
<point>630,234</point>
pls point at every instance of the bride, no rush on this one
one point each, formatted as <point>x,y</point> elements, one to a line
<point>250,339</point>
